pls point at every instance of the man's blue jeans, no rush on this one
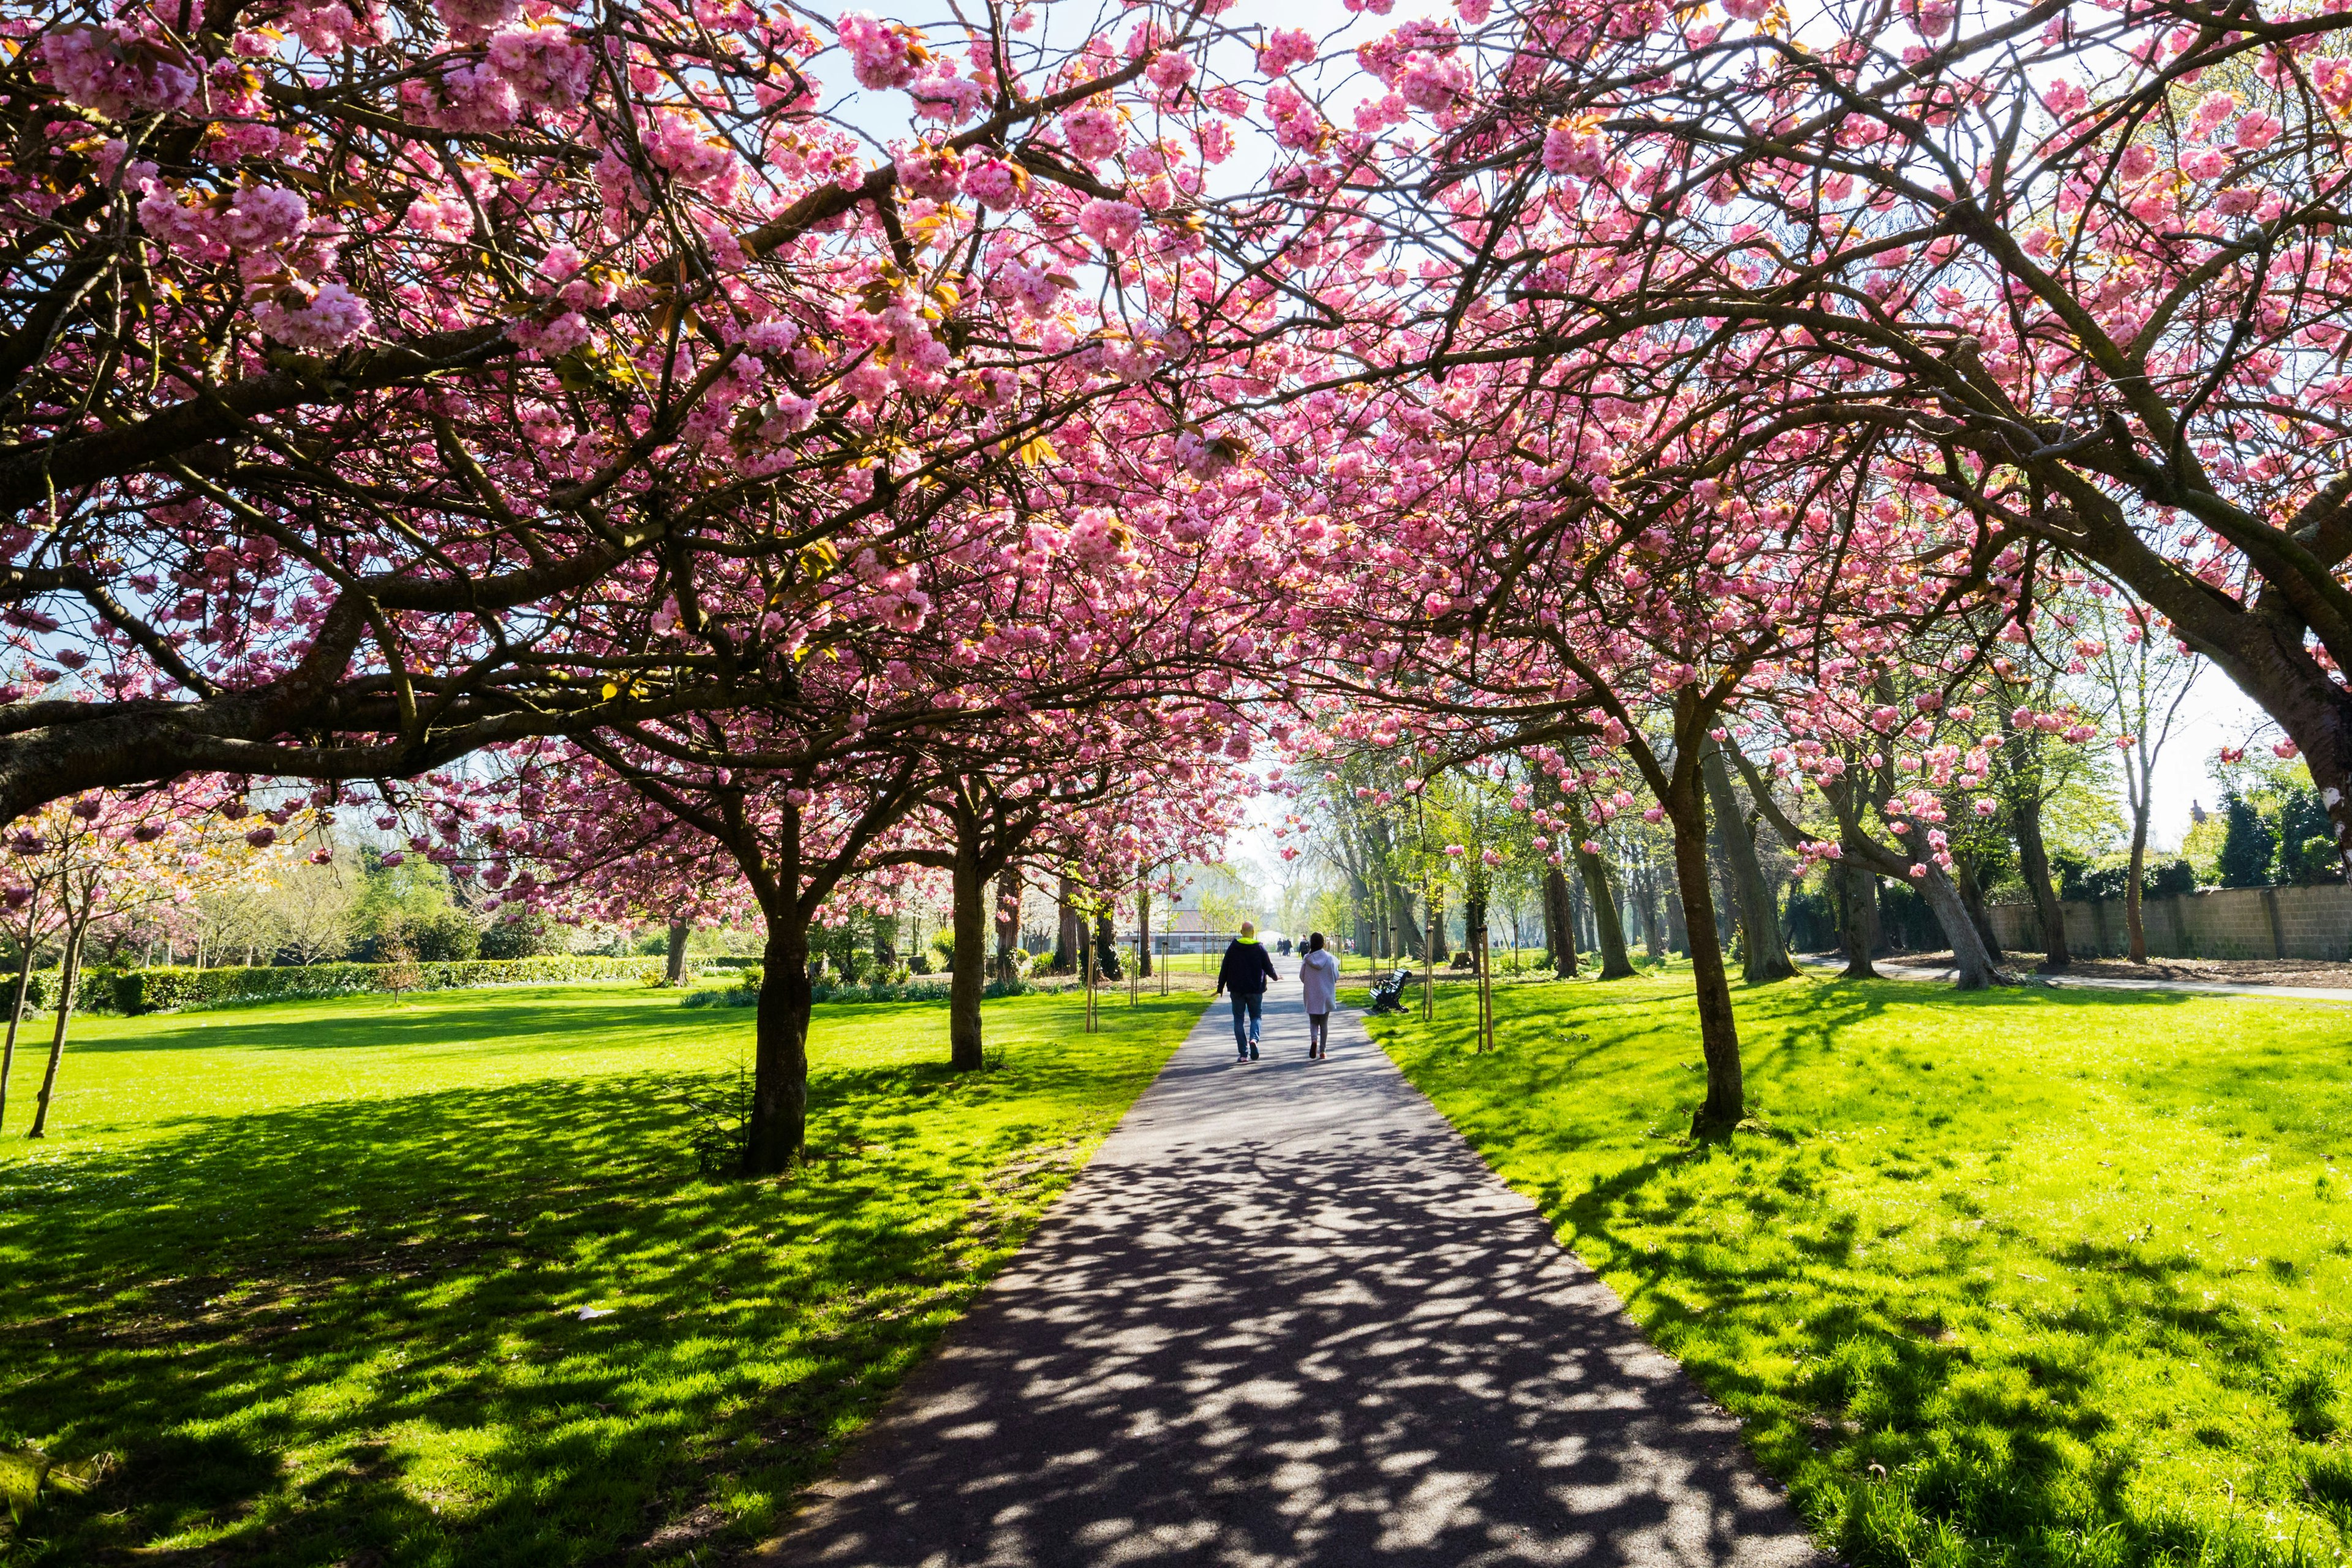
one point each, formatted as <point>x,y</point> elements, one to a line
<point>1246,1014</point>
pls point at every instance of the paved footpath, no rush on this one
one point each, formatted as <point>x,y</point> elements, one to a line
<point>1287,1316</point>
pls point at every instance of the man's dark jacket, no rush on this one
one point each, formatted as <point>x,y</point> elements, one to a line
<point>1245,970</point>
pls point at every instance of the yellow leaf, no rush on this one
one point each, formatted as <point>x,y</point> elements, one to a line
<point>1036,450</point>
<point>611,692</point>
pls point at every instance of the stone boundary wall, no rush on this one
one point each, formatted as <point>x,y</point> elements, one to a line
<point>2213,922</point>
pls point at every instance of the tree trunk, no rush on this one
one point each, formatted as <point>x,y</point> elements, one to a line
<point>1972,898</point>
<point>967,974</point>
<point>1144,929</point>
<point>1763,956</point>
<point>1008,925</point>
<point>886,946</point>
<point>1439,947</point>
<point>1976,967</point>
<point>2033,859</point>
<point>1858,893</point>
<point>1066,936</point>
<point>1608,932</point>
<point>2136,933</point>
<point>1409,930</point>
<point>1678,938</point>
<point>69,979</point>
<point>1975,964</point>
<point>1105,955</point>
<point>16,1013</point>
<point>1719,1029</point>
<point>1653,926</point>
<point>780,1055</point>
<point>675,973</point>
<point>1561,911</point>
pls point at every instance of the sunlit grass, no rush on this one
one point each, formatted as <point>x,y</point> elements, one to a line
<point>314,1272</point>
<point>2024,1278</point>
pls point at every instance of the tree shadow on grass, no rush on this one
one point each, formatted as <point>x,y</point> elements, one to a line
<point>1922,1415</point>
<point>556,1018</point>
<point>352,1332</point>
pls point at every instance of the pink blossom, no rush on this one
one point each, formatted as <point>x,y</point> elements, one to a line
<point>118,73</point>
<point>543,66</point>
<point>1286,48</point>
<point>1110,224</point>
<point>2258,131</point>
<point>932,173</point>
<point>316,320</point>
<point>881,54</point>
<point>1093,134</point>
<point>995,184</point>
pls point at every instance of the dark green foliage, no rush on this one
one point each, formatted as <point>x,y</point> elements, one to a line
<point>526,938</point>
<point>1905,920</point>
<point>2249,843</point>
<point>2302,819</point>
<point>444,936</point>
<point>2081,880</point>
<point>1811,920</point>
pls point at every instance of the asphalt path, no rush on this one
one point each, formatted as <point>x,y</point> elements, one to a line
<point>1287,1316</point>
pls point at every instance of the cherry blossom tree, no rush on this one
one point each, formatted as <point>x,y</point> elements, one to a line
<point>385,379</point>
<point>2076,269</point>
<point>104,858</point>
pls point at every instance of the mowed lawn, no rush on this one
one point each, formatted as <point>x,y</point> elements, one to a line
<point>312,1273</point>
<point>2026,1278</point>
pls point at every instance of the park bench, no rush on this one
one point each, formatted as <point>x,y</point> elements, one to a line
<point>1388,995</point>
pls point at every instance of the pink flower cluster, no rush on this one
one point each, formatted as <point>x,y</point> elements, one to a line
<point>316,320</point>
<point>543,65</point>
<point>882,54</point>
<point>934,173</point>
<point>995,184</point>
<point>1286,48</point>
<point>248,222</point>
<point>118,72</point>
<point>1093,133</point>
<point>1113,224</point>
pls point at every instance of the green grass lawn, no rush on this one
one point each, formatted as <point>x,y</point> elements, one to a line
<point>312,1273</point>
<point>2024,1278</point>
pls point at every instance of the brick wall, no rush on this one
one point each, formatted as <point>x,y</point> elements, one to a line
<point>2215,922</point>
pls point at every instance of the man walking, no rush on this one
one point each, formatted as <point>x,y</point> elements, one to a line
<point>1245,973</point>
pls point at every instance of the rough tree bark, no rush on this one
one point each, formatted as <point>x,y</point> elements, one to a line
<point>1727,1094</point>
<point>1857,903</point>
<point>1008,926</point>
<point>16,1011</point>
<point>674,971</point>
<point>69,981</point>
<point>966,975</point>
<point>779,1046</point>
<point>1560,913</point>
<point>1763,956</point>
<point>1067,933</point>
<point>1608,930</point>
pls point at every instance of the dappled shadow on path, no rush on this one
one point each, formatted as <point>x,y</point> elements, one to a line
<point>1288,1317</point>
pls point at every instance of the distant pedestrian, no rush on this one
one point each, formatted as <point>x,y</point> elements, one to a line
<point>1245,973</point>
<point>1318,974</point>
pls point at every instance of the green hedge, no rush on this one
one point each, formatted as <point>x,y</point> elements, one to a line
<point>137,990</point>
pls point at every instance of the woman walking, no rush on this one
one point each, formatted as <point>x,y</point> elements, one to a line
<point>1318,975</point>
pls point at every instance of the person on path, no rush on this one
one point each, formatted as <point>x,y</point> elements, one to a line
<point>1245,973</point>
<point>1318,974</point>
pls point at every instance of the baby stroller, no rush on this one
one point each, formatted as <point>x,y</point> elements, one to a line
<point>1388,995</point>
